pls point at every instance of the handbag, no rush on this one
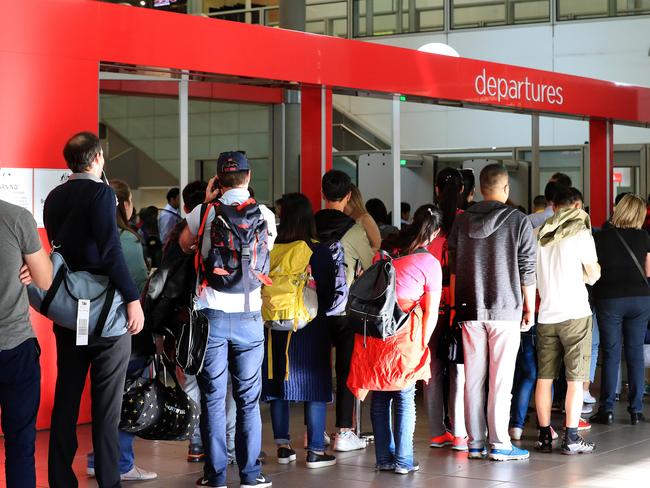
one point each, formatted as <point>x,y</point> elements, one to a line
<point>192,341</point>
<point>155,410</point>
<point>107,317</point>
<point>450,346</point>
<point>140,408</point>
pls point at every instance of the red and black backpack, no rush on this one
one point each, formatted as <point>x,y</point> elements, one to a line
<point>238,259</point>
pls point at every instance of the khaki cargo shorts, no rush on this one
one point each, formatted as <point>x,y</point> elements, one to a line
<point>569,340</point>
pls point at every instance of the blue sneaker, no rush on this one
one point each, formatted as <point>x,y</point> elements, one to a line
<point>514,454</point>
<point>476,453</point>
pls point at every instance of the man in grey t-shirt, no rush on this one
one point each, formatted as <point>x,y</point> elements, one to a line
<point>22,260</point>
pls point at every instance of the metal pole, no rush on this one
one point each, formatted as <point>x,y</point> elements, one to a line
<point>370,17</point>
<point>535,154</point>
<point>351,19</point>
<point>399,20</point>
<point>183,108</point>
<point>292,16</point>
<point>414,24</point>
<point>396,153</point>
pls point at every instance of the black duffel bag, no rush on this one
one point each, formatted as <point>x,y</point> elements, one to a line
<point>153,410</point>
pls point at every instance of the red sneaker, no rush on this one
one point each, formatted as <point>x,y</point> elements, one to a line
<point>443,440</point>
<point>583,425</point>
<point>460,444</point>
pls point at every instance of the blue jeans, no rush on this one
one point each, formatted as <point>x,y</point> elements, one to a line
<point>623,319</point>
<point>394,447</point>
<point>20,395</point>
<point>525,378</point>
<point>314,418</point>
<point>235,345</point>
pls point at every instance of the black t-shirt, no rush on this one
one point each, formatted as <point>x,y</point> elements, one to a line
<point>620,277</point>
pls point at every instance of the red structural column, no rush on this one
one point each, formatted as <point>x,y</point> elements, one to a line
<point>601,156</point>
<point>315,140</point>
<point>44,99</point>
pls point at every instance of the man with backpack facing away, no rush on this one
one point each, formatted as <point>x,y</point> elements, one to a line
<point>333,225</point>
<point>492,264</point>
<point>232,248</point>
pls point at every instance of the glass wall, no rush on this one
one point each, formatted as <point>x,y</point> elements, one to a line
<point>390,17</point>
<point>586,9</point>
<point>385,17</point>
<point>486,13</point>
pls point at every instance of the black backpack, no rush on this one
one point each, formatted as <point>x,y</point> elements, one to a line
<point>372,307</point>
<point>168,294</point>
<point>238,260</point>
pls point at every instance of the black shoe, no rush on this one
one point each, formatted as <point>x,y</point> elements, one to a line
<point>637,418</point>
<point>195,454</point>
<point>262,457</point>
<point>579,446</point>
<point>315,460</point>
<point>286,455</point>
<point>201,482</point>
<point>544,444</point>
<point>602,417</point>
<point>260,482</point>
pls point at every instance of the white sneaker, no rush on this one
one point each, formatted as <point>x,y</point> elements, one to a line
<point>587,409</point>
<point>588,398</point>
<point>516,433</point>
<point>138,474</point>
<point>348,441</point>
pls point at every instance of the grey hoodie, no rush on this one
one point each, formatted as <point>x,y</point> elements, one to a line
<point>492,253</point>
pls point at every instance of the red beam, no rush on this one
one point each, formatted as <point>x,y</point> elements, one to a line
<point>601,156</point>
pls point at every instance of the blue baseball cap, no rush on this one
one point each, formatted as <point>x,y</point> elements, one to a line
<point>232,161</point>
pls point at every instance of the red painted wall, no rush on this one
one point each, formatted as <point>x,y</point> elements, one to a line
<point>44,100</point>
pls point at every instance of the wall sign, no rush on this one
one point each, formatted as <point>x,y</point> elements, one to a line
<point>16,187</point>
<point>45,180</point>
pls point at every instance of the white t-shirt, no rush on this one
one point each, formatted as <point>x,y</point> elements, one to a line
<point>560,279</point>
<point>216,300</point>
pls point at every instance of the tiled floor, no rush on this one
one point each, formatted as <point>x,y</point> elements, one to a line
<point>623,457</point>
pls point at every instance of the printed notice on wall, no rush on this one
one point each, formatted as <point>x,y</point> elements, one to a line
<point>16,186</point>
<point>45,180</point>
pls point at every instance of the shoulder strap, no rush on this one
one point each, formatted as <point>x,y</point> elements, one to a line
<point>199,265</point>
<point>634,259</point>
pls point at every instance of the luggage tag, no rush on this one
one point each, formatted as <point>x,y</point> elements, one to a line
<point>83,319</point>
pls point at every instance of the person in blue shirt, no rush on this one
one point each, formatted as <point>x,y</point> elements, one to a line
<point>170,215</point>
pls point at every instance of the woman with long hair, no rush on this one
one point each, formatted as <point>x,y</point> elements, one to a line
<point>622,297</point>
<point>390,367</point>
<point>357,210</point>
<point>296,366</point>
<point>449,196</point>
<point>142,345</point>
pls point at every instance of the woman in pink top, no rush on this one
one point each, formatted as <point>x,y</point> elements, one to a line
<point>391,366</point>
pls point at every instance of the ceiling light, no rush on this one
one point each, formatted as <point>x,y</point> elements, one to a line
<point>439,48</point>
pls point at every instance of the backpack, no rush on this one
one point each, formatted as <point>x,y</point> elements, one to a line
<point>341,291</point>
<point>372,307</point>
<point>290,303</point>
<point>167,295</point>
<point>238,259</point>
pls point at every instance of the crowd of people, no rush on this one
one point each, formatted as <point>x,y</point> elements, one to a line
<point>523,300</point>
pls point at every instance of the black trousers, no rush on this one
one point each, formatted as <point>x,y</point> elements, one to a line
<point>20,393</point>
<point>107,359</point>
<point>343,340</point>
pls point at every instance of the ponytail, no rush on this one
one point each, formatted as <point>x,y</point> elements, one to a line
<point>449,183</point>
